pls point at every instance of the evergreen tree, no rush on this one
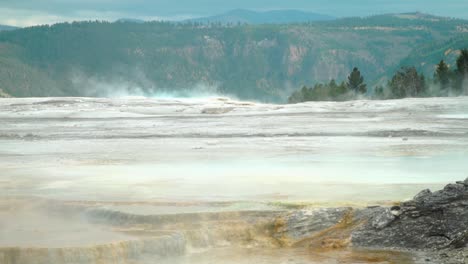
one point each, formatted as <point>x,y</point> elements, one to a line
<point>462,70</point>
<point>407,83</point>
<point>442,75</point>
<point>331,91</point>
<point>356,82</point>
<point>379,92</point>
<point>462,62</point>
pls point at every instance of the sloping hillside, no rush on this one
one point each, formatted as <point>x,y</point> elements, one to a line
<point>268,17</point>
<point>426,56</point>
<point>5,27</point>
<point>262,62</point>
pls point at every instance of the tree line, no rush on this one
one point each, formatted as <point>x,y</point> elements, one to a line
<point>406,82</point>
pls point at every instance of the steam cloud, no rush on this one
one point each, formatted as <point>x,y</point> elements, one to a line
<point>117,87</point>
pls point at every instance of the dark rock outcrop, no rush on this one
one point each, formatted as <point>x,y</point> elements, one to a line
<point>432,220</point>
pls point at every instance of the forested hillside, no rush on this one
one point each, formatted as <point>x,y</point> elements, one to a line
<point>262,62</point>
<point>428,54</point>
<point>269,17</point>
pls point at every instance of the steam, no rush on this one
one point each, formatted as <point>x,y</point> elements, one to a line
<point>436,90</point>
<point>118,87</point>
<point>465,86</point>
<point>199,90</point>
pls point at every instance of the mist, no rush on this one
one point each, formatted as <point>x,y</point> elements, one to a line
<point>120,87</point>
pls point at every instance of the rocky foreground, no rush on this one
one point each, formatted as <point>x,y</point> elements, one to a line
<point>430,228</point>
<point>434,224</point>
<point>432,221</point>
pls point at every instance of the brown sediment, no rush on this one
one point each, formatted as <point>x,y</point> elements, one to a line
<point>389,257</point>
<point>335,241</point>
<point>275,228</point>
<point>334,237</point>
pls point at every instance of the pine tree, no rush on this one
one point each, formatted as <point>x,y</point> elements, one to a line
<point>462,62</point>
<point>442,75</point>
<point>379,92</point>
<point>462,69</point>
<point>356,82</point>
<point>407,83</point>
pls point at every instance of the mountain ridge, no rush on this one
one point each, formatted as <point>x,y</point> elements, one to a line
<point>263,17</point>
<point>260,62</point>
<point>7,27</point>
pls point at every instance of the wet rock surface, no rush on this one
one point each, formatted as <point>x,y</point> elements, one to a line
<point>299,225</point>
<point>448,256</point>
<point>432,221</point>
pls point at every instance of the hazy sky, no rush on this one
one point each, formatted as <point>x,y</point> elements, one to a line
<point>33,12</point>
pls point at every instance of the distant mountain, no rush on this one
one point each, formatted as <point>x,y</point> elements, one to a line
<point>5,27</point>
<point>262,62</point>
<point>268,17</point>
<point>131,20</point>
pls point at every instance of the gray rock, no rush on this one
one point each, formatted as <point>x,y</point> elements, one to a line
<point>382,219</point>
<point>396,211</point>
<point>422,195</point>
<point>460,240</point>
<point>429,221</point>
<point>449,256</point>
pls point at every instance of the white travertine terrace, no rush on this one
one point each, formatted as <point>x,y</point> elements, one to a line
<point>135,157</point>
<point>221,149</point>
